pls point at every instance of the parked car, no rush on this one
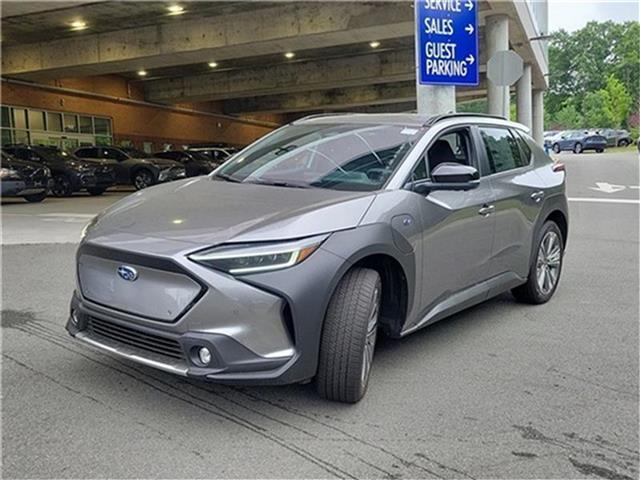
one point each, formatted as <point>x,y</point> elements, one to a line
<point>70,174</point>
<point>20,178</point>
<point>616,138</point>
<point>195,163</point>
<point>578,141</point>
<point>551,137</point>
<point>134,166</point>
<point>214,153</point>
<point>282,266</point>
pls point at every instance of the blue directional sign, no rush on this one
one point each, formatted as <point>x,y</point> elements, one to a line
<point>447,42</point>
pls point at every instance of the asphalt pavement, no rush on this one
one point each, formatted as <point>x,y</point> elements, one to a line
<point>502,390</point>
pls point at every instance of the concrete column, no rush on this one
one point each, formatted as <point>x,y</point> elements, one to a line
<point>431,99</point>
<point>435,99</point>
<point>537,130</point>
<point>523,97</point>
<point>497,40</point>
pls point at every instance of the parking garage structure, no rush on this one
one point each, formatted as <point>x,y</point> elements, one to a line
<point>164,75</point>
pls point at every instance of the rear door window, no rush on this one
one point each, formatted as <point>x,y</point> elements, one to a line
<point>503,152</point>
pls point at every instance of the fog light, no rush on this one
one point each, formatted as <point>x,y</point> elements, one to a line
<point>74,317</point>
<point>204,355</point>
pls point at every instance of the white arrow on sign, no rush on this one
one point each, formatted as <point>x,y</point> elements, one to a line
<point>470,59</point>
<point>469,5</point>
<point>469,29</point>
<point>607,187</point>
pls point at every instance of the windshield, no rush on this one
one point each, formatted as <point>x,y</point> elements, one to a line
<point>341,157</point>
<point>135,153</point>
<point>51,154</point>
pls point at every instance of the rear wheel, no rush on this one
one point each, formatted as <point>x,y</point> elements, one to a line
<point>546,266</point>
<point>61,186</point>
<point>577,148</point>
<point>36,197</point>
<point>96,191</point>
<point>556,148</point>
<point>599,150</point>
<point>349,337</point>
<point>142,179</point>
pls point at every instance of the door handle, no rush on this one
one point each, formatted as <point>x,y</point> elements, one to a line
<point>486,210</point>
<point>537,196</point>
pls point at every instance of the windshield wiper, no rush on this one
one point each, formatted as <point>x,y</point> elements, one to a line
<point>279,183</point>
<point>227,178</point>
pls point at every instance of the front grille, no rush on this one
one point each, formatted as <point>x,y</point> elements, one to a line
<point>135,338</point>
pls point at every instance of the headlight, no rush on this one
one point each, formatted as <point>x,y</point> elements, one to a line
<point>8,173</point>
<point>258,257</point>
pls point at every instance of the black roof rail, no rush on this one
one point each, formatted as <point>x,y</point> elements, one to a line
<point>445,116</point>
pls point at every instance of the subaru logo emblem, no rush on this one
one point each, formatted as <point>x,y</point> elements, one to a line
<point>127,273</point>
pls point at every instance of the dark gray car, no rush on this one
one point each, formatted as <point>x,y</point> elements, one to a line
<point>284,263</point>
<point>134,166</point>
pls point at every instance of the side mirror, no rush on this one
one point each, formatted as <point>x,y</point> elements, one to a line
<point>454,173</point>
<point>449,176</point>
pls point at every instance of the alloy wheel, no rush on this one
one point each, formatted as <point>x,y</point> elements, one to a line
<point>548,262</point>
<point>142,180</point>
<point>61,187</point>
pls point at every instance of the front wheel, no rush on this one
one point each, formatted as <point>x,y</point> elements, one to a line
<point>349,337</point>
<point>36,197</point>
<point>142,179</point>
<point>623,143</point>
<point>546,266</point>
<point>577,148</point>
<point>61,186</point>
<point>556,148</point>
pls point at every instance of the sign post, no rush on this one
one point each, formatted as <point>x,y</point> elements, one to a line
<point>446,51</point>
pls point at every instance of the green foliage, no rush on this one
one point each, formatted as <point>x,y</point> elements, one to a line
<point>596,109</point>
<point>602,56</point>
<point>567,118</point>
<point>618,101</point>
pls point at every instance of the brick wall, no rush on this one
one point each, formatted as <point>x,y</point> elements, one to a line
<point>137,123</point>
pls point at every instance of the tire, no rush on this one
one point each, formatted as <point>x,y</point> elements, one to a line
<point>61,186</point>
<point>577,148</point>
<point>349,336</point>
<point>36,197</point>
<point>556,148</point>
<point>142,179</point>
<point>96,191</point>
<point>599,150</point>
<point>548,252</point>
<point>623,143</point>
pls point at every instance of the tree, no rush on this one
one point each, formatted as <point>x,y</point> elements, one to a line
<point>582,61</point>
<point>568,117</point>
<point>617,102</point>
<point>596,110</point>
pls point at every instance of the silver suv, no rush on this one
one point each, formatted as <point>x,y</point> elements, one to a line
<point>284,264</point>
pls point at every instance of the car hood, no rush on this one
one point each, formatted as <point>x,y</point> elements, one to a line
<point>101,161</point>
<point>205,212</point>
<point>161,162</point>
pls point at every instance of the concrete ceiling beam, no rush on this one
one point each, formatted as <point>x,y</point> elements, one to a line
<point>264,31</point>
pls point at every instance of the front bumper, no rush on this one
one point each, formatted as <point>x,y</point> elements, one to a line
<point>20,188</point>
<point>261,329</point>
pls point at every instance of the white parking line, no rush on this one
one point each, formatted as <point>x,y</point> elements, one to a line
<point>604,200</point>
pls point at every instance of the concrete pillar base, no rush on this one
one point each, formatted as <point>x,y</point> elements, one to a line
<point>524,98</point>
<point>537,130</point>
<point>436,99</point>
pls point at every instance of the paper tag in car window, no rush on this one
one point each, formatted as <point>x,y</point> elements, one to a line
<point>409,131</point>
